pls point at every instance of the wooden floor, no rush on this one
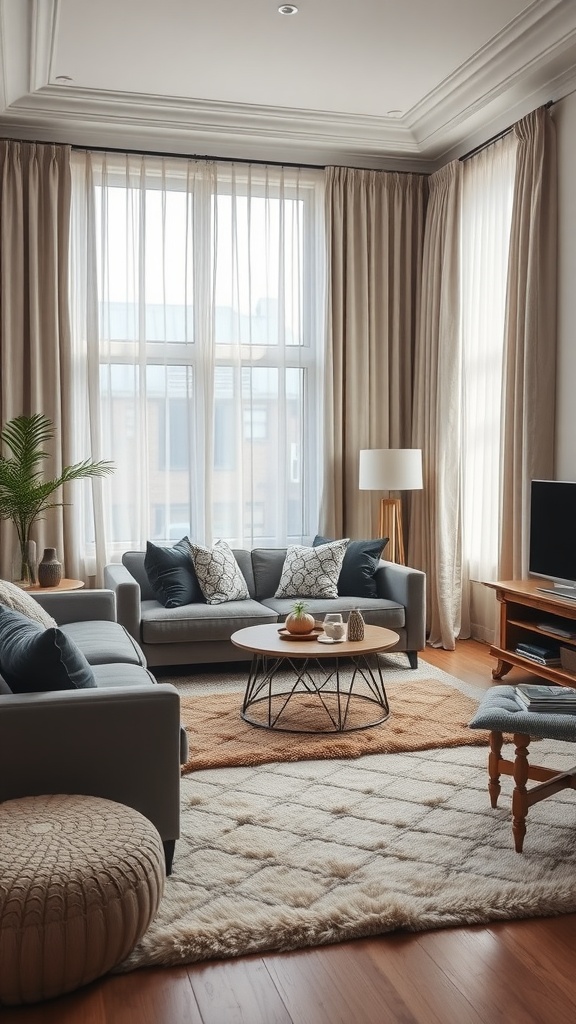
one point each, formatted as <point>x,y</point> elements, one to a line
<point>509,973</point>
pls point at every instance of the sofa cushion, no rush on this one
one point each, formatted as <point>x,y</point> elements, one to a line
<point>312,572</point>
<point>361,561</point>
<point>375,611</point>
<point>33,659</point>
<point>18,600</point>
<point>104,643</point>
<point>200,622</point>
<point>171,574</point>
<point>267,564</point>
<point>218,573</point>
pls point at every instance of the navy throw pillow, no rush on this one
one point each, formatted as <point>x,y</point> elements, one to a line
<point>359,566</point>
<point>34,659</point>
<point>171,574</point>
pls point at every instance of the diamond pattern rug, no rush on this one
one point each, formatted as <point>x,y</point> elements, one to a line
<point>282,856</point>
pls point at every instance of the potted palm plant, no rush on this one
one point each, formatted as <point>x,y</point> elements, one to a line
<point>24,495</point>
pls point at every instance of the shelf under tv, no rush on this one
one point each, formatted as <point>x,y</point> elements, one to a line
<point>528,612</point>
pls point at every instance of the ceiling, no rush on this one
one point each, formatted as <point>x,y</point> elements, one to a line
<point>372,83</point>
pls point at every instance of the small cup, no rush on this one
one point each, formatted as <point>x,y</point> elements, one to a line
<point>334,625</point>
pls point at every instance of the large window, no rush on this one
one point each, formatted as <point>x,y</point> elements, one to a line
<point>207,287</point>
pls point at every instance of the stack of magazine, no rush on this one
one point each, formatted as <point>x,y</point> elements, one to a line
<point>554,699</point>
<point>542,655</point>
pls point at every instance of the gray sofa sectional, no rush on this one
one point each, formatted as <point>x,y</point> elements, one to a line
<point>200,633</point>
<point>120,740</point>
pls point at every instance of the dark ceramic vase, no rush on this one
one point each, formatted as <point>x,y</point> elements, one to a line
<point>49,569</point>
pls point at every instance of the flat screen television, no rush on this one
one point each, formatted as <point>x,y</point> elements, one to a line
<point>553,535</point>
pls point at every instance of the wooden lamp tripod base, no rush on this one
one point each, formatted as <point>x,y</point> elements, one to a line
<point>391,527</point>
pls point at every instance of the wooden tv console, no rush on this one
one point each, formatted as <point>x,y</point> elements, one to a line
<point>527,614</point>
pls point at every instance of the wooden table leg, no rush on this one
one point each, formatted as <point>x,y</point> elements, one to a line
<point>520,794</point>
<point>496,740</point>
<point>502,669</point>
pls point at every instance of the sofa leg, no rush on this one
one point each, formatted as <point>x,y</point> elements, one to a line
<point>413,658</point>
<point>169,847</point>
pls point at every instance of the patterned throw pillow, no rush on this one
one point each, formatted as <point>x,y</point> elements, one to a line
<point>218,573</point>
<point>18,600</point>
<point>312,572</point>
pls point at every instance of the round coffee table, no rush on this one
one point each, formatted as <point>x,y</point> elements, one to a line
<point>311,685</point>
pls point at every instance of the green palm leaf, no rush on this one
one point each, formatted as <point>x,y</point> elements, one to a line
<point>24,495</point>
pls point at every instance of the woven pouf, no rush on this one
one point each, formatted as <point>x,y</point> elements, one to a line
<point>81,879</point>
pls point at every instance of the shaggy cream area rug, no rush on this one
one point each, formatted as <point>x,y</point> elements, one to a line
<point>287,855</point>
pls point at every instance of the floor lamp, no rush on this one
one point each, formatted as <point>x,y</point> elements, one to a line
<point>391,469</point>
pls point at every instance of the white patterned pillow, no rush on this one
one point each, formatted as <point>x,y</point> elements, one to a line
<point>218,573</point>
<point>18,600</point>
<point>312,572</point>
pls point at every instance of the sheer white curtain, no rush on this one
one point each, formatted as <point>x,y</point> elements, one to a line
<point>198,303</point>
<point>487,196</point>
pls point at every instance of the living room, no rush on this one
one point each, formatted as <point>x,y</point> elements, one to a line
<point>107,104</point>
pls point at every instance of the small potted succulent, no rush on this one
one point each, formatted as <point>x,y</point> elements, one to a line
<point>299,620</point>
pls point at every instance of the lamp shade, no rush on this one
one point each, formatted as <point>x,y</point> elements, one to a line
<point>391,469</point>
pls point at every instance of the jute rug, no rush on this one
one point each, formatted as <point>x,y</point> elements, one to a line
<point>425,714</point>
<point>286,855</point>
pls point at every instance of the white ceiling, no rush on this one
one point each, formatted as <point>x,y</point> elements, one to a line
<point>374,83</point>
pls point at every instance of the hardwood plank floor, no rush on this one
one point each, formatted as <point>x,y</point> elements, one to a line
<point>517,972</point>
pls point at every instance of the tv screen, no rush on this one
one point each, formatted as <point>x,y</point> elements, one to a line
<point>553,530</point>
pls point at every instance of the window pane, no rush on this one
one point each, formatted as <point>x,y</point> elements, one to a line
<point>146,265</point>
<point>149,420</point>
<point>258,278</point>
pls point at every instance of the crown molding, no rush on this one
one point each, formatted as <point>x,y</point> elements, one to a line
<point>524,51</point>
<point>44,17</point>
<point>524,60</point>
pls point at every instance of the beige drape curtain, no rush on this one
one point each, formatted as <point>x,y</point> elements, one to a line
<point>435,543</point>
<point>530,336</point>
<point>34,322</point>
<point>375,224</point>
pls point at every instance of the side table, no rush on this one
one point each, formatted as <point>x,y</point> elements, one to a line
<point>63,585</point>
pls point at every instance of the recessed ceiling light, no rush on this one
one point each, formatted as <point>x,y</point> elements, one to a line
<point>287,9</point>
<point>62,79</point>
<point>394,113</point>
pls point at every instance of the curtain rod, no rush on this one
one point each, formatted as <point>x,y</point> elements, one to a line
<point>497,137</point>
<point>232,159</point>
<point>194,156</point>
<point>197,156</point>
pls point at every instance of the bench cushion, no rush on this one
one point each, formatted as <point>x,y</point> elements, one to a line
<point>499,712</point>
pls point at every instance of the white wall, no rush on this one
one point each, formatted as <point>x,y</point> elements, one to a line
<point>565,118</point>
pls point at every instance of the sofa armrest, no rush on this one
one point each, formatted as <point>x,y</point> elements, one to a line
<point>78,605</point>
<point>120,743</point>
<point>407,587</point>
<point>128,598</point>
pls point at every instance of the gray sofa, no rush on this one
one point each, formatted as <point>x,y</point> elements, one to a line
<point>120,740</point>
<point>200,633</point>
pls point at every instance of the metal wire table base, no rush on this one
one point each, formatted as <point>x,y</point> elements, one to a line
<point>344,687</point>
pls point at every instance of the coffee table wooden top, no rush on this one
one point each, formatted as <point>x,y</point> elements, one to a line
<point>266,640</point>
